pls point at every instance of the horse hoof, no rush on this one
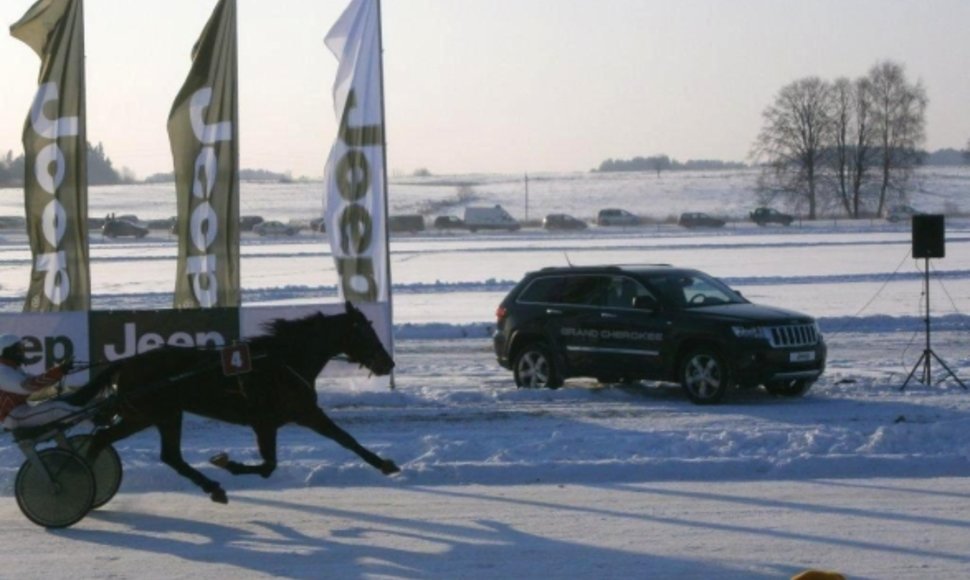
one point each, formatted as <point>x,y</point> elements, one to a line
<point>219,496</point>
<point>389,467</point>
<point>220,460</point>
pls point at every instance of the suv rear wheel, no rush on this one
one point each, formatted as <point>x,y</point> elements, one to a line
<point>535,367</point>
<point>793,388</point>
<point>704,376</point>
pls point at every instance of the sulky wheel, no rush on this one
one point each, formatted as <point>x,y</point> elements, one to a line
<point>56,490</point>
<point>106,468</point>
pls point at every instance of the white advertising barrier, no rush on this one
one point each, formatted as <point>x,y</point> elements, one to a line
<point>50,337</point>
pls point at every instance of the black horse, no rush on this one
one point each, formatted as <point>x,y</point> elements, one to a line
<point>156,387</point>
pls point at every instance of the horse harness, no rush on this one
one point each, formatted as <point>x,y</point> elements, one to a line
<point>240,374</point>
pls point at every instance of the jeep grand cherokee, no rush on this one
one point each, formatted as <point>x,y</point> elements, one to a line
<point>656,323</point>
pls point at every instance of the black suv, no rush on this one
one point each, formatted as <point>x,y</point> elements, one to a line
<point>656,323</point>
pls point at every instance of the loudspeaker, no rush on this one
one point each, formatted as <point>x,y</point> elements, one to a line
<point>928,236</point>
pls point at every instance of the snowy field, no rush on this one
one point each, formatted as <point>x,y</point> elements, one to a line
<point>589,481</point>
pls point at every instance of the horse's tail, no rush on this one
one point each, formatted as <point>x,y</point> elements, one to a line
<point>85,394</point>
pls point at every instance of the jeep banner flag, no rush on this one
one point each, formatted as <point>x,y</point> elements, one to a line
<point>355,175</point>
<point>203,130</point>
<point>55,152</point>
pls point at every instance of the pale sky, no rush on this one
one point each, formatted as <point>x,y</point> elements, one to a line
<point>503,86</point>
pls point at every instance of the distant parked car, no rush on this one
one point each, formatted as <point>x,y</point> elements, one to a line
<point>616,217</point>
<point>274,228</point>
<point>699,220</point>
<point>766,215</point>
<point>562,221</point>
<point>448,222</point>
<point>899,213</point>
<point>318,224</point>
<point>117,228</point>
<point>161,224</point>
<point>248,222</point>
<point>20,222</point>
<point>489,218</point>
<point>406,223</point>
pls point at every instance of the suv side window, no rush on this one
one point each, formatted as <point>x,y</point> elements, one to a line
<point>671,288</point>
<point>544,290</point>
<point>585,290</point>
<point>685,291</point>
<point>622,290</point>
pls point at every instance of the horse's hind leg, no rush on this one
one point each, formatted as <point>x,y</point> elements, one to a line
<point>266,439</point>
<point>170,431</point>
<point>319,422</point>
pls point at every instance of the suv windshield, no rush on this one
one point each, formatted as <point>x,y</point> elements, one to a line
<point>693,290</point>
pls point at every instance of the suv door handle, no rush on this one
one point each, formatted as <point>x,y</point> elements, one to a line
<point>607,315</point>
<point>553,311</point>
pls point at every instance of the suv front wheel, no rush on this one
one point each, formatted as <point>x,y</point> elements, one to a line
<point>535,367</point>
<point>704,376</point>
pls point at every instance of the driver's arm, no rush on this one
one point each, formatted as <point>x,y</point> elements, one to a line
<point>49,377</point>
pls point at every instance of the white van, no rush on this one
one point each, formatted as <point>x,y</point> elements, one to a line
<point>489,218</point>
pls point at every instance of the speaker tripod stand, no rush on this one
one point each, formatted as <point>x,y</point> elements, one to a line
<point>925,360</point>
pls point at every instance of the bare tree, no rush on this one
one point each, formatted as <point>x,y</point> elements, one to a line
<point>792,142</point>
<point>843,96</point>
<point>899,115</point>
<point>851,155</point>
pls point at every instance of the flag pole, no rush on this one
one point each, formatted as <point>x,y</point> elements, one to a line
<point>387,234</point>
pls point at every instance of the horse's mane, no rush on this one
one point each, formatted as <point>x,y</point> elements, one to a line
<point>284,331</point>
<point>281,327</point>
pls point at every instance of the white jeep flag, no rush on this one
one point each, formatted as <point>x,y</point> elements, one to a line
<point>355,197</point>
<point>55,152</point>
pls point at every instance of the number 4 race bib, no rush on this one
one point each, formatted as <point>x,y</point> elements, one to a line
<point>236,360</point>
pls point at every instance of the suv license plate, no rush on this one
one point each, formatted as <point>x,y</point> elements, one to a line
<point>803,356</point>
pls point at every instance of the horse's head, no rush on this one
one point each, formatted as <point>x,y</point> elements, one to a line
<point>363,346</point>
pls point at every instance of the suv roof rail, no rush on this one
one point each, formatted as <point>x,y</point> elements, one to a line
<point>617,267</point>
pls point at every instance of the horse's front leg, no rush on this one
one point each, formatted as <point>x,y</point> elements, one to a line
<point>319,422</point>
<point>266,440</point>
<point>170,431</point>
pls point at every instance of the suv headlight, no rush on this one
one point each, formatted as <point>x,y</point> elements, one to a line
<point>748,332</point>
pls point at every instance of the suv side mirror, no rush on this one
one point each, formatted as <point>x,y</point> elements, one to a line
<point>645,303</point>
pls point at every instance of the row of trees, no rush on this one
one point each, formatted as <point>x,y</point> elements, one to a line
<point>849,144</point>
<point>662,162</point>
<point>244,175</point>
<point>101,170</point>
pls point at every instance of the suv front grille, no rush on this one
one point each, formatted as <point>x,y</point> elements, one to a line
<point>794,335</point>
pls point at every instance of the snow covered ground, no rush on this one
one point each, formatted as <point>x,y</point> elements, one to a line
<point>589,481</point>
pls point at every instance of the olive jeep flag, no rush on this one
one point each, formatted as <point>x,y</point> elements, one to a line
<point>55,152</point>
<point>203,129</point>
<point>355,174</point>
